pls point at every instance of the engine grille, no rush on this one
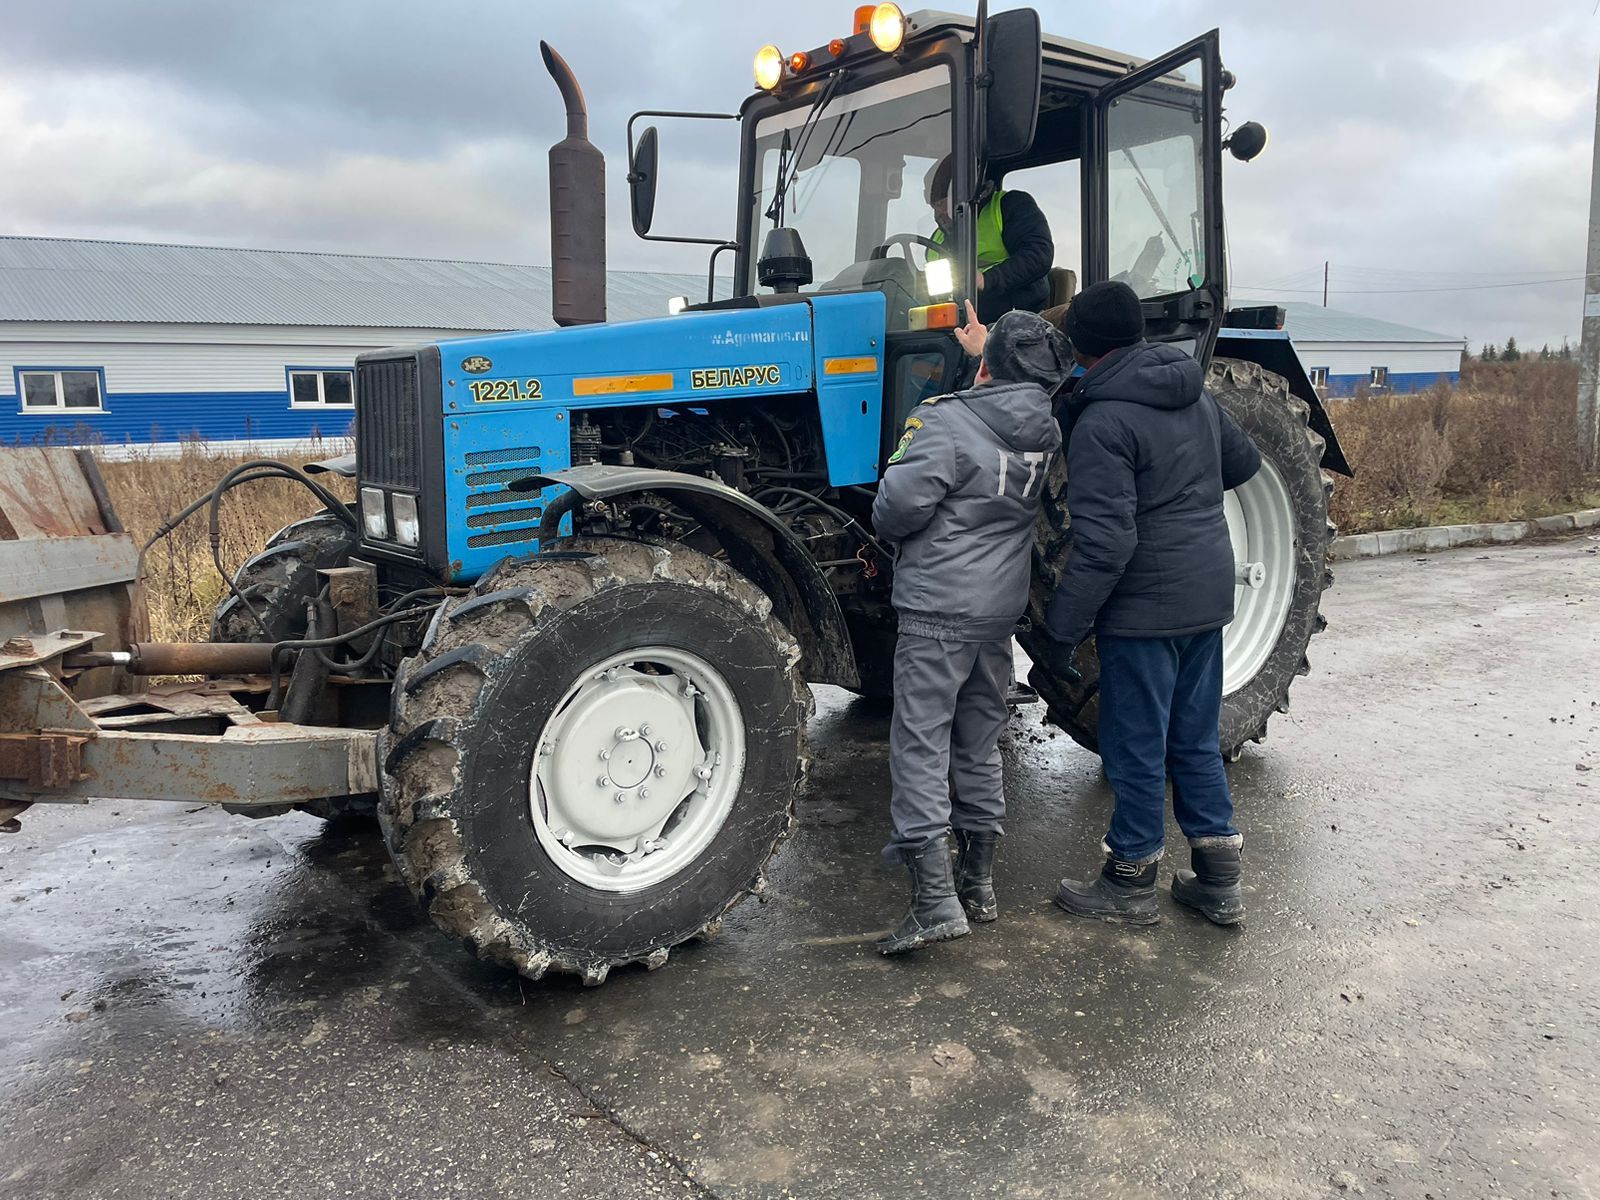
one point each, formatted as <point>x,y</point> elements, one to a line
<point>389,423</point>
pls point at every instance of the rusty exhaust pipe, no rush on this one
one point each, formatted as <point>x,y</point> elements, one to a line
<point>577,209</point>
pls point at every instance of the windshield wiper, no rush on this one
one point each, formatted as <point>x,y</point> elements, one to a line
<point>789,163</point>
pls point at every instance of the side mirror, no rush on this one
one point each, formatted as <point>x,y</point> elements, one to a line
<point>1247,141</point>
<point>1013,55</point>
<point>642,181</point>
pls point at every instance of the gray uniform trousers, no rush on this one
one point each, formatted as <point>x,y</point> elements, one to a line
<point>949,710</point>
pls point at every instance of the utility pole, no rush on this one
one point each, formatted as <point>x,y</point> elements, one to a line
<point>1589,354</point>
<point>1324,283</point>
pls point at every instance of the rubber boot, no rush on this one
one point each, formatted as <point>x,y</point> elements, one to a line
<point>935,914</point>
<point>1124,893</point>
<point>975,874</point>
<point>1212,887</point>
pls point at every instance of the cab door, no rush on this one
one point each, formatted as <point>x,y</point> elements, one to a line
<point>1156,196</point>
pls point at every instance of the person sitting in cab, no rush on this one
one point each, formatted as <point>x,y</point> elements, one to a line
<point>1015,249</point>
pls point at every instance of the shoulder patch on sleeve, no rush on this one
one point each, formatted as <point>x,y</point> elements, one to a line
<point>912,425</point>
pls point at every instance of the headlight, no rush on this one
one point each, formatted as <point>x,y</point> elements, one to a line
<point>406,530</point>
<point>374,514</point>
<point>769,68</point>
<point>941,277</point>
<point>887,28</point>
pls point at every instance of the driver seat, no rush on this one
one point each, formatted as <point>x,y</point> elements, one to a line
<point>1063,286</point>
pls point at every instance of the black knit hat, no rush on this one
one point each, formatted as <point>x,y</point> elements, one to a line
<point>1023,347</point>
<point>1103,318</point>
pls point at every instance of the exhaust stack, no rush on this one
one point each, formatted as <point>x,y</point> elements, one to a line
<point>577,209</point>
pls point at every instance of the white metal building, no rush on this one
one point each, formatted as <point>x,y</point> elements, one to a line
<point>1344,352</point>
<point>119,344</point>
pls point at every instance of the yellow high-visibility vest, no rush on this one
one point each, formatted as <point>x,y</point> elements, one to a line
<point>991,245</point>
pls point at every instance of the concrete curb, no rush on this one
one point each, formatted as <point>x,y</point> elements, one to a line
<point>1444,537</point>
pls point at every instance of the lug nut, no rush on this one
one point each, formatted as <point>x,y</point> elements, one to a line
<point>661,772</point>
<point>661,747</point>
<point>644,793</point>
<point>605,755</point>
<point>620,798</point>
<point>644,731</point>
<point>604,781</point>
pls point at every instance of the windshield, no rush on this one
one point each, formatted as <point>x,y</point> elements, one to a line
<point>859,180</point>
<point>1154,140</point>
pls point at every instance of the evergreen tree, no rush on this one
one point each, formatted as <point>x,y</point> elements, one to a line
<point>1511,353</point>
<point>1565,353</point>
<point>1546,354</point>
<point>1489,354</point>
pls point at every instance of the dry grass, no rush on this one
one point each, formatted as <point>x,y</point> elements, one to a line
<point>183,587</point>
<point>1501,446</point>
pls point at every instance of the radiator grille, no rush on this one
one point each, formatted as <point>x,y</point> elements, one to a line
<point>505,516</point>
<point>504,537</point>
<point>389,423</point>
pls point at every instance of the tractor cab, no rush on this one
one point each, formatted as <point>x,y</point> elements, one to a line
<point>841,145</point>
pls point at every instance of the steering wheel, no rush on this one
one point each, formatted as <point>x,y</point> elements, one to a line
<point>906,241</point>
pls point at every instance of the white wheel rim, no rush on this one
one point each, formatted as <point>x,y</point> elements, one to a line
<point>637,769</point>
<point>1261,526</point>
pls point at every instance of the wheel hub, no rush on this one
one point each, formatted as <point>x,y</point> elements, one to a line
<point>637,769</point>
<point>1261,526</point>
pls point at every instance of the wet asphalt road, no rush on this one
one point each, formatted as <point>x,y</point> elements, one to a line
<point>193,1005</point>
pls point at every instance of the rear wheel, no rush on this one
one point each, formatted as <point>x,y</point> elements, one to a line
<point>594,756</point>
<point>1278,522</point>
<point>278,581</point>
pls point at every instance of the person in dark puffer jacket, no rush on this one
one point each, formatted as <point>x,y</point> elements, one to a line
<point>959,500</point>
<point>1151,574</point>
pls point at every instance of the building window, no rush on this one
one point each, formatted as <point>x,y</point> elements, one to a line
<point>1379,379</point>
<point>321,389</point>
<point>70,389</point>
<point>1319,377</point>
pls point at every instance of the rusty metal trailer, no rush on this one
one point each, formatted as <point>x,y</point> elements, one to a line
<point>77,722</point>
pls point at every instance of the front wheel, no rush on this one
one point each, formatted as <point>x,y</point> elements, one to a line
<point>594,755</point>
<point>1278,522</point>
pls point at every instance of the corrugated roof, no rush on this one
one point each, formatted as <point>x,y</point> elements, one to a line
<point>1313,323</point>
<point>62,279</point>
<point>67,279</point>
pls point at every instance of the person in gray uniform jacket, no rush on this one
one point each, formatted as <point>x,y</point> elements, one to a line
<point>959,499</point>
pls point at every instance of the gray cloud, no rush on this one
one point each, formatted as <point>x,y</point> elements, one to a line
<point>1415,145</point>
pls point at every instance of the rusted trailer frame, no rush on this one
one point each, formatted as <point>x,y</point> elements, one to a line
<point>55,749</point>
<point>72,725</point>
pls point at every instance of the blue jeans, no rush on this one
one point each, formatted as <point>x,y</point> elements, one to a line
<point>1160,701</point>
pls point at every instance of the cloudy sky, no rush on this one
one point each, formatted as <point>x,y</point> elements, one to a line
<point>1427,149</point>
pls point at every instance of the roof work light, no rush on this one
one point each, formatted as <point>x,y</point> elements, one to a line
<point>887,27</point>
<point>769,67</point>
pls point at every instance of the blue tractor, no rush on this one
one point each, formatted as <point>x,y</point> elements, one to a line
<point>649,538</point>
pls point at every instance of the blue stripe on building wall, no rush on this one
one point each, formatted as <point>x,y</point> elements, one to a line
<point>1410,381</point>
<point>171,417</point>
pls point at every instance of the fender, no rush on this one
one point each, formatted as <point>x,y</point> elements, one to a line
<point>1272,350</point>
<point>760,547</point>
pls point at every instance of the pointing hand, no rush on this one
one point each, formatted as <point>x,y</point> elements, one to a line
<point>973,334</point>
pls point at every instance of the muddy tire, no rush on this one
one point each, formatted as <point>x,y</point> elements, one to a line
<point>279,580</point>
<point>1279,519</point>
<point>542,792</point>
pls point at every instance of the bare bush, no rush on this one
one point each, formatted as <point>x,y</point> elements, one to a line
<point>1500,446</point>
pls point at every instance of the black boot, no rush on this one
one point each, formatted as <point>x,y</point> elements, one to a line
<point>1124,892</point>
<point>1212,888</point>
<point>935,914</point>
<point>975,874</point>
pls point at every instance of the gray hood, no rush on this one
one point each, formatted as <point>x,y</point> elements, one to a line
<point>1018,414</point>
